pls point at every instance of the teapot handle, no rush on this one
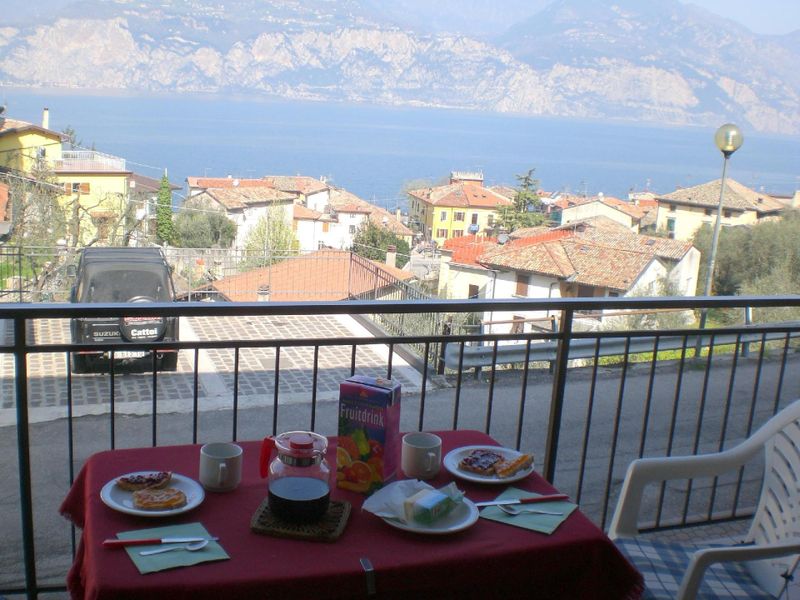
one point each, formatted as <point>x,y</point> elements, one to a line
<point>263,460</point>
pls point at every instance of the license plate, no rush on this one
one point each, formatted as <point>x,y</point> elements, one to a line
<point>129,354</point>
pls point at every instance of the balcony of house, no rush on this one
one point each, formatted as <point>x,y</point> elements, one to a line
<point>584,401</point>
<point>88,161</point>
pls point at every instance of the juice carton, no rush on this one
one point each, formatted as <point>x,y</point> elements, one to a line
<point>369,433</point>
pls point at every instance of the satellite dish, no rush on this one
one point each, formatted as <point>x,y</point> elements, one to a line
<point>502,239</point>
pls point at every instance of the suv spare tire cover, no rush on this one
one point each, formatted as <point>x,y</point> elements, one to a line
<point>142,329</point>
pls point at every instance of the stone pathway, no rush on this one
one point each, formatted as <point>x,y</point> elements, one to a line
<point>133,391</point>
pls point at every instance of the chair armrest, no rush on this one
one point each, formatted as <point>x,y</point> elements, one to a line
<point>643,471</point>
<point>702,559</point>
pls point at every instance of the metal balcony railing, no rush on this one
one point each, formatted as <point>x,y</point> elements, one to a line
<point>88,160</point>
<point>584,402</point>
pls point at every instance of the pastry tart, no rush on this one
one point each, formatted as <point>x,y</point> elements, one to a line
<point>131,483</point>
<point>506,468</point>
<point>480,461</point>
<point>158,499</point>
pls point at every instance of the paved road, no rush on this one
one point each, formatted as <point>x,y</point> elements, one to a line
<point>175,391</point>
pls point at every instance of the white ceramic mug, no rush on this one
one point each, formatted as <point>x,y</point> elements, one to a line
<point>220,466</point>
<point>421,456</point>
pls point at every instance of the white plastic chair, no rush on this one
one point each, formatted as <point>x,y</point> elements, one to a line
<point>773,540</point>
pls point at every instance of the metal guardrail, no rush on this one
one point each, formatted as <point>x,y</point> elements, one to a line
<point>587,421</point>
<point>547,351</point>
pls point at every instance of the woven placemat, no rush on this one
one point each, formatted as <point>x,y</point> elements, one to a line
<point>327,529</point>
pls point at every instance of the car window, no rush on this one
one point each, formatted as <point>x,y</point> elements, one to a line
<point>121,286</point>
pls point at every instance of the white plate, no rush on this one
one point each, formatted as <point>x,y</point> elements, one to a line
<point>454,457</point>
<point>461,517</point>
<point>122,500</point>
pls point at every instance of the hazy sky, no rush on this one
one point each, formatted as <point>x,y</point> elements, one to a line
<point>761,16</point>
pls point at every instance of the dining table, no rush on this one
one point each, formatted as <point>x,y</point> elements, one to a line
<point>485,560</point>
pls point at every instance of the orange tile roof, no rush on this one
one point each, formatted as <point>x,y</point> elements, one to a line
<point>736,197</point>
<point>461,194</point>
<point>240,198</point>
<point>304,213</point>
<point>468,249</point>
<point>598,257</point>
<point>466,240</point>
<point>300,184</point>
<point>8,126</point>
<point>225,182</point>
<point>321,275</point>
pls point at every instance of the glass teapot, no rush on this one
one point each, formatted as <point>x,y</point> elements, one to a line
<point>299,477</point>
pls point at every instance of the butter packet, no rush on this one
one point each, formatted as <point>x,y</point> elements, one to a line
<point>428,506</point>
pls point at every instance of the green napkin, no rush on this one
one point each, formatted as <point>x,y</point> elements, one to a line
<point>175,558</point>
<point>541,523</point>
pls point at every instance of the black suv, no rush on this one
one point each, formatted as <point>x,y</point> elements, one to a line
<point>122,275</point>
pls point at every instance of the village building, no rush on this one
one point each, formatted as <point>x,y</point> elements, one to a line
<point>321,216</point>
<point>587,259</point>
<point>104,201</point>
<point>635,216</point>
<point>682,212</point>
<point>462,207</point>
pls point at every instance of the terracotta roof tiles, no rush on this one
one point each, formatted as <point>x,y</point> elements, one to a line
<point>462,194</point>
<point>596,256</point>
<point>736,197</point>
<point>322,275</point>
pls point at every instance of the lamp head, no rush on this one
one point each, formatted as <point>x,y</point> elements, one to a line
<point>728,139</point>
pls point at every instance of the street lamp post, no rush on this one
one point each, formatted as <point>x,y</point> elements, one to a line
<point>728,139</point>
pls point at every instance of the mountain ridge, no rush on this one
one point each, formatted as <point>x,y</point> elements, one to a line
<point>659,61</point>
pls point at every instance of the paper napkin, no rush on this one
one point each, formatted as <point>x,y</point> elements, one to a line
<point>176,558</point>
<point>541,523</point>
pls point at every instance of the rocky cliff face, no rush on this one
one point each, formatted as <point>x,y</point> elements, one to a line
<point>655,61</point>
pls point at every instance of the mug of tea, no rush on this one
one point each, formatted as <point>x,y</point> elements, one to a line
<point>421,455</point>
<point>220,466</point>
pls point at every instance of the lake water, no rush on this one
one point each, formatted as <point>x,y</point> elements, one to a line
<point>373,151</point>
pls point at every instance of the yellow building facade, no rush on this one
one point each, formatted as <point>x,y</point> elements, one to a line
<point>24,146</point>
<point>462,207</point>
<point>99,196</point>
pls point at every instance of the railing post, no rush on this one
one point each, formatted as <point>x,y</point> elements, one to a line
<point>23,455</point>
<point>447,329</point>
<point>557,400</point>
<point>748,320</point>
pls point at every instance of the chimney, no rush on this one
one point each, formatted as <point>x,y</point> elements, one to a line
<point>46,118</point>
<point>391,256</point>
<point>263,293</point>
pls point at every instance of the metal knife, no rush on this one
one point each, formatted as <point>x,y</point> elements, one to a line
<point>530,500</point>
<point>111,543</point>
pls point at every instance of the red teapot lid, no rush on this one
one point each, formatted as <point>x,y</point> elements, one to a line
<point>300,441</point>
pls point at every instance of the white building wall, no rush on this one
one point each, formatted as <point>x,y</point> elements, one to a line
<point>308,234</point>
<point>318,201</point>
<point>596,209</point>
<point>684,275</point>
<point>454,281</point>
<point>340,235</point>
<point>505,286</point>
<point>249,218</point>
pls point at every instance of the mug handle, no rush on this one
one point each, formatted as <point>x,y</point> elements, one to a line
<point>263,460</point>
<point>222,474</point>
<point>431,461</point>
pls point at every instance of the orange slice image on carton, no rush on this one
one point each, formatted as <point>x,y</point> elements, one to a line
<point>358,477</point>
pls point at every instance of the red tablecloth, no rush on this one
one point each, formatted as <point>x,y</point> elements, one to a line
<point>489,559</point>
